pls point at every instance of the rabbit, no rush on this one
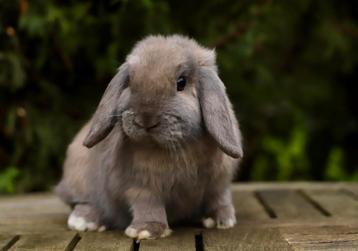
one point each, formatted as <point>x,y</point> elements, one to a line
<point>162,146</point>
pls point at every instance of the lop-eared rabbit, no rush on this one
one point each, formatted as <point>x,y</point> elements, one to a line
<point>162,146</point>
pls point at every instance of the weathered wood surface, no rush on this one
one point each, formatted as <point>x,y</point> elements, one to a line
<point>270,216</point>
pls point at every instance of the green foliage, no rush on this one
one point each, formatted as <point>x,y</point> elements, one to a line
<point>289,158</point>
<point>7,179</point>
<point>290,68</point>
<point>334,170</point>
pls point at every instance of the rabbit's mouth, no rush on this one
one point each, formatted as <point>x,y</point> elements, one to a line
<point>164,132</point>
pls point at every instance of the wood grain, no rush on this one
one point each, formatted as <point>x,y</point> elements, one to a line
<point>288,204</point>
<point>110,240</point>
<point>322,238</point>
<point>300,224</point>
<point>7,241</point>
<point>245,238</point>
<point>181,239</point>
<point>338,203</point>
<point>248,207</point>
<point>43,242</point>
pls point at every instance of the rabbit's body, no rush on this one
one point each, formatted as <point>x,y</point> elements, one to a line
<point>160,158</point>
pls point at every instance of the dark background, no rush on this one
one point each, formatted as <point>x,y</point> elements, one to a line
<point>291,70</point>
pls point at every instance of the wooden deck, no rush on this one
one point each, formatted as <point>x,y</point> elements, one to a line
<point>271,216</point>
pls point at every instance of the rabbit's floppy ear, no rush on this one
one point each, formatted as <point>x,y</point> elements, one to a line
<point>218,115</point>
<point>105,117</point>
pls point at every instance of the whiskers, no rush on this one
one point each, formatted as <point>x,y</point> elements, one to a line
<point>115,116</point>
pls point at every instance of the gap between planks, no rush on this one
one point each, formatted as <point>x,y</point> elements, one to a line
<point>10,243</point>
<point>295,202</point>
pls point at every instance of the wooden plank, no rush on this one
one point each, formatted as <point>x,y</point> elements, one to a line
<point>338,203</point>
<point>7,241</point>
<point>322,238</point>
<point>37,204</point>
<point>5,238</point>
<point>109,240</point>
<point>248,207</point>
<point>43,241</point>
<point>351,190</point>
<point>288,204</point>
<point>253,186</point>
<point>41,222</point>
<point>245,238</point>
<point>38,213</point>
<point>33,228</point>
<point>181,239</point>
<point>23,224</point>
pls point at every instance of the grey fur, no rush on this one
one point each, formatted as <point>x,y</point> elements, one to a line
<point>217,113</point>
<point>105,117</point>
<point>157,156</point>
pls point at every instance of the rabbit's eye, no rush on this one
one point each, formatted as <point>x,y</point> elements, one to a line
<point>181,82</point>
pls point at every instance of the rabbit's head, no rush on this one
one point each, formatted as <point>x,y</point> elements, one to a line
<point>168,93</point>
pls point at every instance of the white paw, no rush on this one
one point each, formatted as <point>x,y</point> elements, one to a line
<point>79,223</point>
<point>208,222</point>
<point>229,223</point>
<point>166,233</point>
<point>220,224</point>
<point>140,235</point>
<point>144,234</point>
<point>131,232</point>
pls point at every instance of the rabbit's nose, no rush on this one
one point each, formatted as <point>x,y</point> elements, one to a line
<point>147,121</point>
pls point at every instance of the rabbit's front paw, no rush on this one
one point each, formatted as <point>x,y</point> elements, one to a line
<point>219,223</point>
<point>147,230</point>
<point>82,224</point>
<point>223,219</point>
<point>84,218</point>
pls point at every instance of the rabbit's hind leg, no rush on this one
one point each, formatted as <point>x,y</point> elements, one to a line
<point>85,217</point>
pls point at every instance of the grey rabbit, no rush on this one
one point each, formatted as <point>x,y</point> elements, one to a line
<point>162,146</point>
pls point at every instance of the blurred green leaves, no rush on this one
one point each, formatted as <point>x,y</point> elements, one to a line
<point>288,158</point>
<point>8,179</point>
<point>12,75</point>
<point>334,170</point>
